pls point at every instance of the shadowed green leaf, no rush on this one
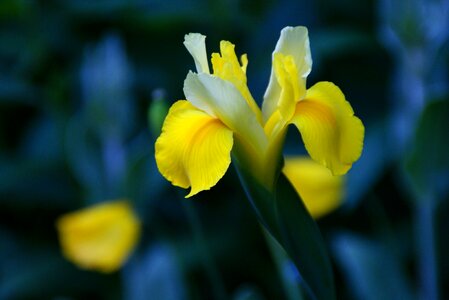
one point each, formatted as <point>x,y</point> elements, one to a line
<point>370,268</point>
<point>428,164</point>
<point>284,215</point>
<point>154,272</point>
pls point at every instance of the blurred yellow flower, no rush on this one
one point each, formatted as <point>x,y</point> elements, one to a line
<point>220,116</point>
<point>320,191</point>
<point>100,237</point>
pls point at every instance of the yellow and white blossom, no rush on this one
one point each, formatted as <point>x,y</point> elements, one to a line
<point>221,117</point>
<point>99,237</point>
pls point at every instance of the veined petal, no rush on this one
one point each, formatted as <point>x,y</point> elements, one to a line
<point>294,42</point>
<point>332,135</point>
<point>196,45</point>
<point>220,98</point>
<point>291,92</point>
<point>194,148</point>
<point>99,237</point>
<point>291,89</point>
<point>227,67</point>
<point>320,191</point>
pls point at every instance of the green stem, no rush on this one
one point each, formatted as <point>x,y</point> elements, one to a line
<point>426,249</point>
<point>291,287</point>
<point>209,265</point>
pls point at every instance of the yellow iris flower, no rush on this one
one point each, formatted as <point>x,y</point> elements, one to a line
<point>100,237</point>
<point>220,116</point>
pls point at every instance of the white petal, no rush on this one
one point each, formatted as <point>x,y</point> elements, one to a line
<point>221,99</point>
<point>293,41</point>
<point>196,45</point>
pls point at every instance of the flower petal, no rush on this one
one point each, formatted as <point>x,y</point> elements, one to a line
<point>227,66</point>
<point>220,98</point>
<point>100,237</point>
<point>332,135</point>
<point>294,42</point>
<point>196,45</point>
<point>193,148</point>
<point>320,191</point>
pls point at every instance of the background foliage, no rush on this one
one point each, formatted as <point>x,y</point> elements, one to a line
<point>77,78</point>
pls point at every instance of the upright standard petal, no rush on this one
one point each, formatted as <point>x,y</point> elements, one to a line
<point>196,45</point>
<point>332,135</point>
<point>194,148</point>
<point>227,67</point>
<point>320,191</point>
<point>100,237</point>
<point>294,42</point>
<point>290,93</point>
<point>221,98</point>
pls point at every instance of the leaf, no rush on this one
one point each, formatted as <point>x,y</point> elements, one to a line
<point>428,164</point>
<point>84,158</point>
<point>370,268</point>
<point>260,199</point>
<point>284,215</point>
<point>154,272</point>
<point>303,241</point>
<point>286,269</point>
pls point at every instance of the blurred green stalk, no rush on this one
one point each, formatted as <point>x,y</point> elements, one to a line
<point>209,265</point>
<point>283,262</point>
<point>157,111</point>
<point>425,234</point>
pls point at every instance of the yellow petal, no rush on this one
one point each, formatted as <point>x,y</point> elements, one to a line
<point>196,45</point>
<point>226,66</point>
<point>293,88</point>
<point>221,99</point>
<point>293,42</point>
<point>193,148</point>
<point>320,191</point>
<point>244,60</point>
<point>332,135</point>
<point>100,237</point>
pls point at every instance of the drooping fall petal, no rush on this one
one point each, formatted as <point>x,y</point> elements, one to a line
<point>194,149</point>
<point>332,135</point>
<point>293,42</point>
<point>100,237</point>
<point>320,191</point>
